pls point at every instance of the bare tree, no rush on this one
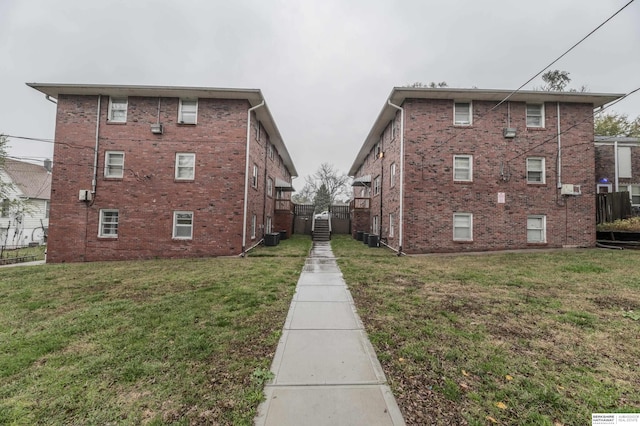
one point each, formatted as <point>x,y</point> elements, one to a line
<point>336,186</point>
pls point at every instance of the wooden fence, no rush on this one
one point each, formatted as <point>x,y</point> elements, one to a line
<point>612,206</point>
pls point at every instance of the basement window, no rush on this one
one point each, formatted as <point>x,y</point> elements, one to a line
<point>182,225</point>
<point>108,226</point>
<point>536,229</point>
<point>463,227</point>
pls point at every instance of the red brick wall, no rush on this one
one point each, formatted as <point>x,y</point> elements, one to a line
<point>432,197</point>
<point>148,194</point>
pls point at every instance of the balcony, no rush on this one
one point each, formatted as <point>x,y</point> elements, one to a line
<point>360,203</point>
<point>284,205</point>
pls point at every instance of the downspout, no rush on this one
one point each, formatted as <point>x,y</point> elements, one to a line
<point>559,148</point>
<point>95,156</point>
<point>401,215</point>
<point>246,180</point>
<point>615,162</point>
<point>51,99</point>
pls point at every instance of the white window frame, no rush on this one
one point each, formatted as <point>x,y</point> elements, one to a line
<point>634,191</point>
<point>117,104</point>
<point>269,225</point>
<point>254,225</point>
<point>391,226</point>
<point>182,167</point>
<point>375,228</point>
<point>624,162</point>
<point>468,217</point>
<point>110,168</point>
<point>269,187</point>
<point>254,176</point>
<point>47,209</point>
<point>376,186</point>
<point>468,122</point>
<point>187,112</point>
<point>177,225</point>
<point>110,226</point>
<point>393,129</point>
<point>270,151</point>
<point>540,116</point>
<point>392,178</point>
<point>468,170</point>
<point>542,171</point>
<point>541,229</point>
<point>601,186</point>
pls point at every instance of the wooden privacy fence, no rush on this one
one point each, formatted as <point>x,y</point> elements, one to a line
<point>612,206</point>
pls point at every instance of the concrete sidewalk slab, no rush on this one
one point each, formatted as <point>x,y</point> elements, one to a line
<point>331,406</point>
<point>322,293</point>
<point>324,278</point>
<point>322,316</point>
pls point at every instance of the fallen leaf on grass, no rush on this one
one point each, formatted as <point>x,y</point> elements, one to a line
<point>465,374</point>
<point>464,386</point>
<point>508,377</point>
<point>501,405</point>
<point>491,419</point>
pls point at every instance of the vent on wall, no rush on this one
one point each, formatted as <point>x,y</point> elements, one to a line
<point>569,189</point>
<point>156,128</point>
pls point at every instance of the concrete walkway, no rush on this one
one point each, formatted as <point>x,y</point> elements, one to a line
<point>326,372</point>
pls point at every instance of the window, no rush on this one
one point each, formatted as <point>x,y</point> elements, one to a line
<point>462,113</point>
<point>376,186</point>
<point>254,177</point>
<point>47,209</point>
<point>114,164</point>
<point>185,166</point>
<point>117,110</point>
<point>4,209</point>
<point>253,226</point>
<point>183,225</point>
<point>268,226</point>
<point>392,178</point>
<point>391,226</point>
<point>536,229</point>
<point>535,115</point>
<point>108,226</point>
<point>393,130</point>
<point>462,227</point>
<point>378,148</point>
<point>462,168</point>
<point>624,162</point>
<point>188,111</point>
<point>269,187</point>
<point>376,225</point>
<point>535,170</point>
<point>634,193</point>
<point>270,151</point>
<point>257,130</point>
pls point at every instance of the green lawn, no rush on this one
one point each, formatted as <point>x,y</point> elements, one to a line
<point>541,338</point>
<point>146,342</point>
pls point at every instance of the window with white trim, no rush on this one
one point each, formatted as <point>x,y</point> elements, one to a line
<point>258,130</point>
<point>634,194</point>
<point>535,170</point>
<point>117,110</point>
<point>392,178</point>
<point>376,186</point>
<point>254,176</point>
<point>462,168</point>
<point>462,115</point>
<point>376,225</point>
<point>108,226</point>
<point>393,130</point>
<point>185,166</point>
<point>114,164</point>
<point>536,229</point>
<point>624,162</point>
<point>268,227</point>
<point>462,227</point>
<point>535,115</point>
<point>182,225</point>
<point>188,111</point>
<point>47,209</point>
<point>270,150</point>
<point>392,227</point>
<point>254,222</point>
<point>269,187</point>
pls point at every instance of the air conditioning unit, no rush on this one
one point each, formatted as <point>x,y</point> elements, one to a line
<point>84,195</point>
<point>569,189</point>
<point>156,128</point>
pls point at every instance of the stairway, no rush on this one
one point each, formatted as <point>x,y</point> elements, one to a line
<point>321,230</point>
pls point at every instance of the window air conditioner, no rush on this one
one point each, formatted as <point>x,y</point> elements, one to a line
<point>569,189</point>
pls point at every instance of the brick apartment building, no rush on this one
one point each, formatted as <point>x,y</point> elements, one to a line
<point>454,170</point>
<point>618,166</point>
<point>145,171</point>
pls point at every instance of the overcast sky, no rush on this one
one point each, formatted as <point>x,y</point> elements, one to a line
<point>325,67</point>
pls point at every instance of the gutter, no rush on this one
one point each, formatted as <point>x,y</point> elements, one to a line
<point>246,179</point>
<point>401,218</point>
